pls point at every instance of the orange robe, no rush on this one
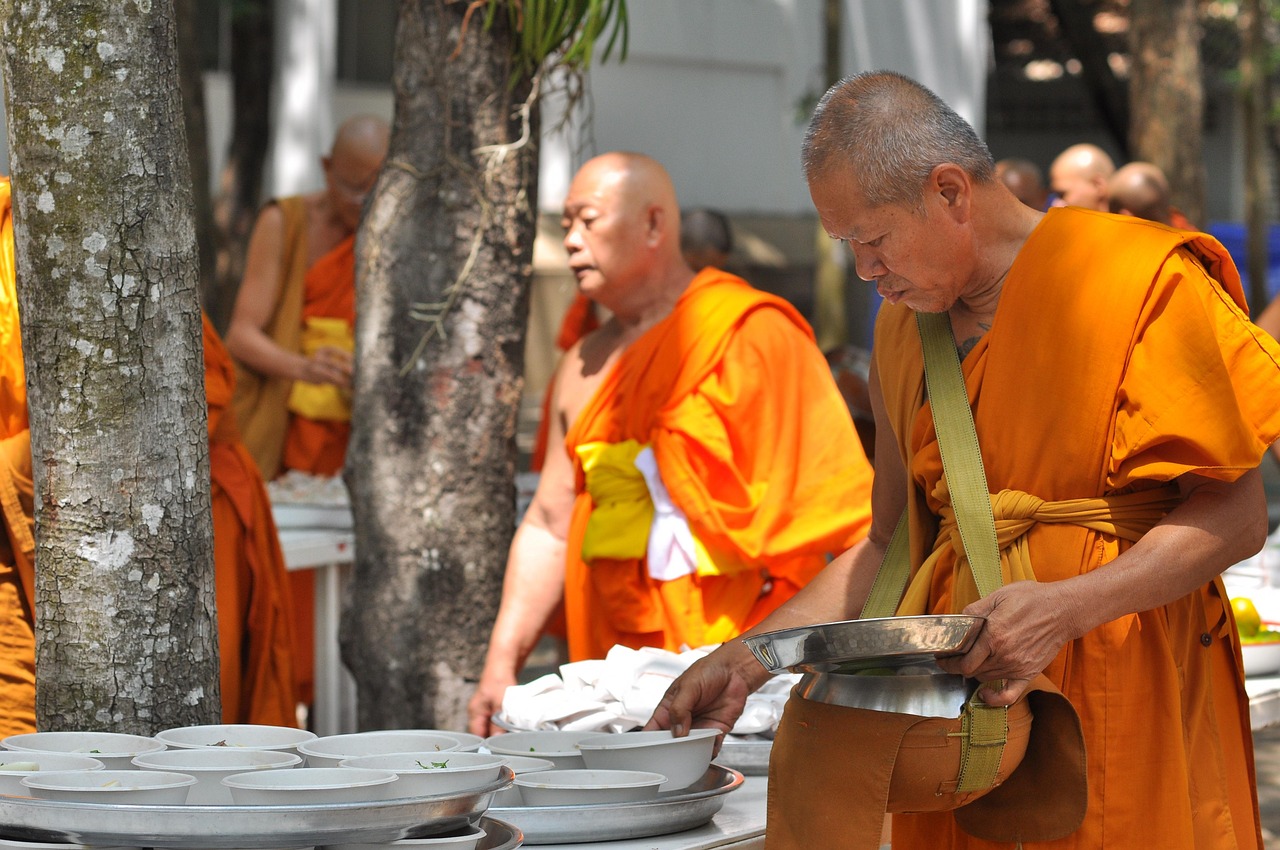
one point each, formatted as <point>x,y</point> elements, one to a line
<point>254,640</point>
<point>754,444</point>
<point>1120,357</point>
<point>17,505</point>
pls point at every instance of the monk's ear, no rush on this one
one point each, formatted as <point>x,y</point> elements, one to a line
<point>952,185</point>
<point>655,223</point>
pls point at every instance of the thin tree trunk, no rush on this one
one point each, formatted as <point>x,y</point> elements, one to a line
<point>1166,96</point>
<point>431,463</point>
<point>125,628</point>
<point>191,84</point>
<point>1257,167</point>
<point>1105,89</point>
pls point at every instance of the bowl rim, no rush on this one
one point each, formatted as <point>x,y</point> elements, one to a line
<point>641,779</point>
<point>46,779</point>
<point>98,763</point>
<point>570,737</point>
<point>358,777</point>
<point>314,746</point>
<point>168,736</point>
<point>613,740</point>
<point>152,745</point>
<point>417,771</point>
<point>291,758</point>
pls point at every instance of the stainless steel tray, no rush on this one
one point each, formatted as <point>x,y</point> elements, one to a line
<point>747,754</point>
<point>499,835</point>
<point>864,644</point>
<point>228,827</point>
<point>674,811</point>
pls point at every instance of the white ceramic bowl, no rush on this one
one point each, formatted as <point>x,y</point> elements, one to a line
<point>558,747</point>
<point>332,749</point>
<point>428,774</point>
<point>211,765</point>
<point>307,786</point>
<point>582,787</point>
<point>14,766</point>
<point>244,736</point>
<point>145,787</point>
<point>1261,659</point>
<point>682,760</point>
<point>519,765</point>
<point>115,750</point>
<point>465,839</point>
<point>467,742</point>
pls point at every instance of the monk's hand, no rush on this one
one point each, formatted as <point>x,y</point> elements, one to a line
<point>1024,631</point>
<point>327,365</point>
<point>710,694</point>
<point>486,702</point>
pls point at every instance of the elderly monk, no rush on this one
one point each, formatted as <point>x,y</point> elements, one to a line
<point>291,335</point>
<point>255,644</point>
<point>17,505</point>
<point>1140,189</point>
<point>701,462</point>
<point>1080,175</point>
<point>1024,179</point>
<point>1134,340</point>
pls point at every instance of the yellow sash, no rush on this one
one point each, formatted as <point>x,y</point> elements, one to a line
<point>323,401</point>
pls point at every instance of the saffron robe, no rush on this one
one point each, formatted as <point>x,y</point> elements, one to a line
<point>17,505</point>
<point>254,640</point>
<point>754,444</point>
<point>1120,357</point>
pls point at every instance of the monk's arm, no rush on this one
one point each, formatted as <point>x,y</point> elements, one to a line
<point>1218,524</point>
<point>534,580</point>
<point>247,337</point>
<point>712,692</point>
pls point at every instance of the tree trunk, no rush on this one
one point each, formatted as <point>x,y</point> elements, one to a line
<point>191,84</point>
<point>240,184</point>
<point>1105,89</point>
<point>1254,64</point>
<point>1166,97</point>
<point>431,463</point>
<point>125,629</point>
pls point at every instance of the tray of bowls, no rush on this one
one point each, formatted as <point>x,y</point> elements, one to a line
<point>575,787</point>
<point>240,787</point>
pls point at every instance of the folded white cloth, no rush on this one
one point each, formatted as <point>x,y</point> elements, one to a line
<point>671,553</point>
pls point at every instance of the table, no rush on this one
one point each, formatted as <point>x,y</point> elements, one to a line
<point>329,552</point>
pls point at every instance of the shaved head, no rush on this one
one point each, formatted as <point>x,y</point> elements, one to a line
<point>1025,180</point>
<point>1140,189</point>
<point>889,132</point>
<point>1080,176</point>
<point>352,166</point>
<point>363,137</point>
<point>705,238</point>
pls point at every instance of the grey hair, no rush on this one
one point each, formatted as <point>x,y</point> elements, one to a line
<point>892,132</point>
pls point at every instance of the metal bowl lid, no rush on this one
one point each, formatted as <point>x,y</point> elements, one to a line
<point>853,645</point>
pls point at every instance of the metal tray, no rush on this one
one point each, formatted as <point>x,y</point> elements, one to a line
<point>231,827</point>
<point>864,644</point>
<point>747,754</point>
<point>673,811</point>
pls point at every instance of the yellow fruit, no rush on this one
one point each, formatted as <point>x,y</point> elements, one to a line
<point>1247,619</point>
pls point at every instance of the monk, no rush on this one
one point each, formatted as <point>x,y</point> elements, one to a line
<point>1024,179</point>
<point>701,462</point>
<point>1122,402</point>
<point>291,335</point>
<point>1080,176</point>
<point>706,238</point>
<point>1141,189</point>
<point>17,505</point>
<point>254,639</point>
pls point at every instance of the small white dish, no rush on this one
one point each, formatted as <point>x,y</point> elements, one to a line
<point>144,787</point>
<point>305,786</point>
<point>432,773</point>
<point>332,749</point>
<point>466,839</point>
<point>682,760</point>
<point>243,736</point>
<point>211,765</point>
<point>558,747</point>
<point>14,766</point>
<point>519,765</point>
<point>586,787</point>
<point>115,750</point>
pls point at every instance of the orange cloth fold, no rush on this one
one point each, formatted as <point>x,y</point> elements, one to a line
<point>753,443</point>
<point>254,639</point>
<point>1160,374</point>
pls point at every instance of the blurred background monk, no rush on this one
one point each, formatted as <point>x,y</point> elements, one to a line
<point>291,336</point>
<point>17,505</point>
<point>706,238</point>
<point>701,463</point>
<point>1025,180</point>
<point>1080,177</point>
<point>1141,189</point>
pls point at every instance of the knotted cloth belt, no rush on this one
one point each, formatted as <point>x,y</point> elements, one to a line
<point>324,402</point>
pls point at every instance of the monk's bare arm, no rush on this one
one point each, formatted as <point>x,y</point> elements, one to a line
<point>247,338</point>
<point>1028,622</point>
<point>714,689</point>
<point>534,580</point>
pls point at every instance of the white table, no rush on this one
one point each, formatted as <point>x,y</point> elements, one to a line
<point>329,552</point>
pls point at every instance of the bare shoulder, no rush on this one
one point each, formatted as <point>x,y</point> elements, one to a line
<point>584,366</point>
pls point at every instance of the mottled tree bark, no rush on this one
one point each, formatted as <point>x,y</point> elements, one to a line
<point>108,284</point>
<point>1166,97</point>
<point>191,85</point>
<point>448,235</point>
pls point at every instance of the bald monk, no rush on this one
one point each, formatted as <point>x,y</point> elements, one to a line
<point>1080,175</point>
<point>1141,189</point>
<point>17,505</point>
<point>706,238</point>
<point>291,336</point>
<point>701,462</point>
<point>1025,180</point>
<point>1111,542</point>
<point>254,634</point>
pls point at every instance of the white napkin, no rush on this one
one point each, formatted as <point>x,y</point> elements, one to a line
<point>671,553</point>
